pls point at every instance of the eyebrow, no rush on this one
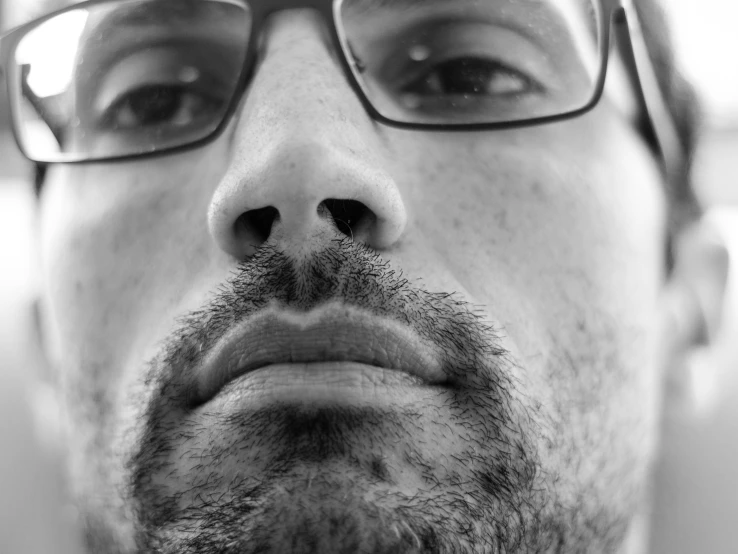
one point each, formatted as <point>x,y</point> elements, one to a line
<point>185,10</point>
<point>139,15</point>
<point>586,8</point>
<point>586,5</point>
<point>382,4</point>
<point>192,11</point>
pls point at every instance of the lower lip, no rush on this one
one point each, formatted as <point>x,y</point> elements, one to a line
<point>321,383</point>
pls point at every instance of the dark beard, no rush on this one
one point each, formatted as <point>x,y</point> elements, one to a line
<point>322,482</point>
<point>313,495</point>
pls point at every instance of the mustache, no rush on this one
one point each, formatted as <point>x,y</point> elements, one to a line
<point>343,271</point>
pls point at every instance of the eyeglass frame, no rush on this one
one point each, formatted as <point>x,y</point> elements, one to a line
<point>619,18</point>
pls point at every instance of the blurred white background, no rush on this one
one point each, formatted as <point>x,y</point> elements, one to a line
<point>696,508</point>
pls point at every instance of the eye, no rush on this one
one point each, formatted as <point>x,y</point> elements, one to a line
<point>155,105</point>
<point>472,77</point>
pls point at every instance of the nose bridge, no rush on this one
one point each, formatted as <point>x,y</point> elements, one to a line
<point>298,73</point>
<point>300,112</point>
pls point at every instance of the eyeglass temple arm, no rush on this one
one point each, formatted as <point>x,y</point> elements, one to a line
<point>663,125</point>
<point>4,40</point>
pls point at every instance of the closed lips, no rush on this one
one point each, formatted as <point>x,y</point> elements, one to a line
<point>345,336</point>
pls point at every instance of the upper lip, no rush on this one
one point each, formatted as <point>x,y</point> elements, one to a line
<point>347,334</point>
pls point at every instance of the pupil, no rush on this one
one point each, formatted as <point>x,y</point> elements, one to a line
<point>155,103</point>
<point>467,76</point>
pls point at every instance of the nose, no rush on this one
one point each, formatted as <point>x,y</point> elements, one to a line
<point>306,162</point>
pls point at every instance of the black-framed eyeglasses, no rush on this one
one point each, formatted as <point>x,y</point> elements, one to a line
<point>118,79</point>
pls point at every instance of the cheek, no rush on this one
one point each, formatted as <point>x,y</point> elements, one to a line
<point>119,244</point>
<point>559,235</point>
<point>557,231</point>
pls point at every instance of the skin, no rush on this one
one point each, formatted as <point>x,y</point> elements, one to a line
<point>549,240</point>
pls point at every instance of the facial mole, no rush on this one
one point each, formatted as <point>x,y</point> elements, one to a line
<point>379,469</point>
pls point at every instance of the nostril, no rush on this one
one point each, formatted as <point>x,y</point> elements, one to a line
<point>348,215</point>
<point>256,225</point>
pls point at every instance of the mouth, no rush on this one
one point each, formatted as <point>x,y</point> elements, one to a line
<point>326,347</point>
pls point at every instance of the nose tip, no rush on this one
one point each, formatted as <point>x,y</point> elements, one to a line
<point>303,190</point>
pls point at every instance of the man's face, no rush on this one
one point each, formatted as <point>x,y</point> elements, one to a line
<point>522,266</point>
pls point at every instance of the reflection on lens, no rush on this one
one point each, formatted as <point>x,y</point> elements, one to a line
<point>411,101</point>
<point>474,61</point>
<point>419,52</point>
<point>128,77</point>
<point>189,74</point>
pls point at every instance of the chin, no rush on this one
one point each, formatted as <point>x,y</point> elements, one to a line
<point>323,517</point>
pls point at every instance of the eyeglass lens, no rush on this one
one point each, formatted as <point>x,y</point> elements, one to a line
<point>473,61</point>
<point>135,76</point>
